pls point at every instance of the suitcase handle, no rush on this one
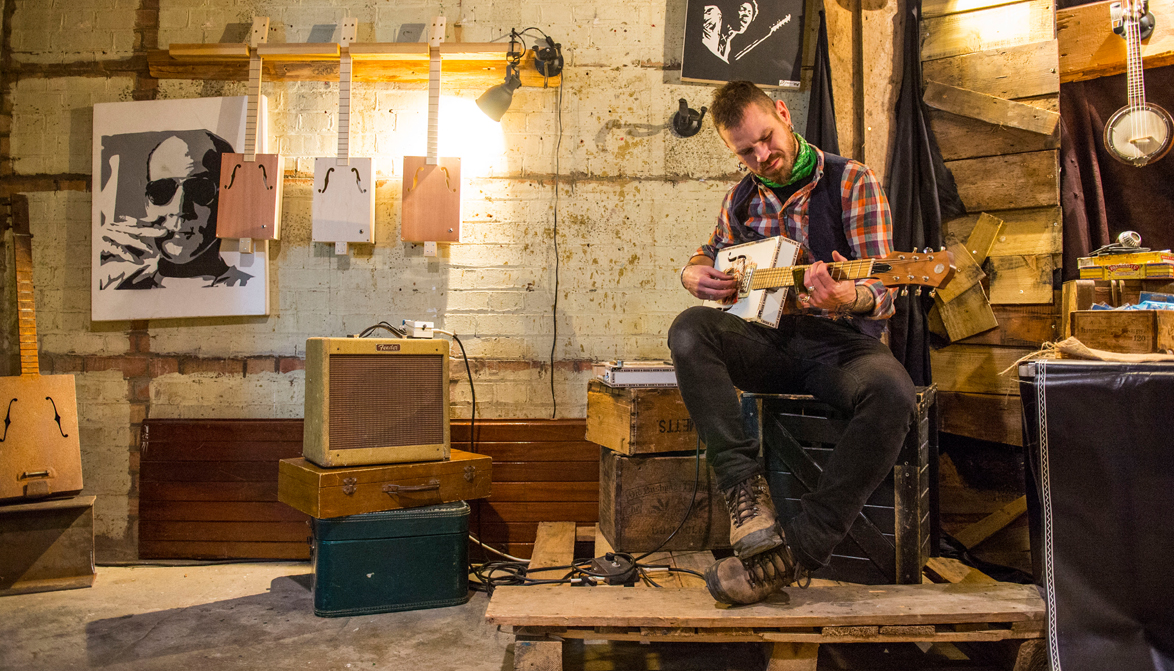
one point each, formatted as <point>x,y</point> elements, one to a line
<point>396,489</point>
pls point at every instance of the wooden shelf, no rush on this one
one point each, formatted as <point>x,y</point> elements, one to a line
<point>1090,49</point>
<point>480,64</point>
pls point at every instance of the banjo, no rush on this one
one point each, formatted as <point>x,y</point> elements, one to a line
<point>1139,133</point>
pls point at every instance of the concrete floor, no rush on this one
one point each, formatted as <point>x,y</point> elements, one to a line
<point>260,616</point>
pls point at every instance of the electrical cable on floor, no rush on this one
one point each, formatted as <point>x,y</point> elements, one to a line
<point>472,434</point>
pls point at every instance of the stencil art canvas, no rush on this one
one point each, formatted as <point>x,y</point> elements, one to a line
<point>155,253</point>
<point>757,40</point>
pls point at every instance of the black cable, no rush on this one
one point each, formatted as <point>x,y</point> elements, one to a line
<point>554,309</point>
<point>692,500</point>
<point>473,436</point>
<point>397,332</point>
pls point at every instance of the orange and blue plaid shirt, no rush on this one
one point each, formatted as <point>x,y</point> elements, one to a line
<point>868,226</point>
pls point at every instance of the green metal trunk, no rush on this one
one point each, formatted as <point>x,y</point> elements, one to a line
<point>388,561</point>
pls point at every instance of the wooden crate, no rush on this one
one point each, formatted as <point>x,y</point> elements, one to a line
<point>893,536</point>
<point>46,546</point>
<point>643,498</point>
<point>639,420</point>
<point>1129,331</point>
<point>208,490</point>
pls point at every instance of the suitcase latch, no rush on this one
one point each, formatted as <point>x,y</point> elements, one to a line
<point>348,485</point>
<point>396,489</point>
<point>470,473</point>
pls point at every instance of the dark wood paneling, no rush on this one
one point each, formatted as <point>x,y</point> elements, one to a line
<point>520,430</point>
<point>208,471</point>
<point>1020,326</point>
<point>574,511</point>
<point>223,430</point>
<point>199,449</point>
<point>287,532</point>
<point>546,471</point>
<point>207,491</point>
<point>219,511</point>
<point>994,417</point>
<point>544,491</point>
<point>222,550</point>
<point>536,451</point>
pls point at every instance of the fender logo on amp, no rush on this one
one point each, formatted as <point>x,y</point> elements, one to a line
<point>387,348</point>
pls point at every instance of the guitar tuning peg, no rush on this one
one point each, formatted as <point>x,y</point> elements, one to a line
<point>927,250</point>
<point>904,291</point>
<point>942,248</point>
<point>933,293</point>
<point>918,292</point>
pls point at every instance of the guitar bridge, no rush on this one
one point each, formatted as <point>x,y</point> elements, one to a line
<point>742,269</point>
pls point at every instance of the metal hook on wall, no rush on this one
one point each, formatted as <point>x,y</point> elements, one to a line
<point>687,121</point>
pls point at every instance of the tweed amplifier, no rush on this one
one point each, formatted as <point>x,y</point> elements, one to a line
<point>376,401</point>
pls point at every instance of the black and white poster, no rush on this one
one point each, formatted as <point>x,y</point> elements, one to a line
<point>756,40</point>
<point>154,250</point>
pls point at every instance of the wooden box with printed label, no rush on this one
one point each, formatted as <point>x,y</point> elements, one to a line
<point>638,420</point>
<point>1126,331</point>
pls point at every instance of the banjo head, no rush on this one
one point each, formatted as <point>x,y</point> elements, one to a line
<point>1139,135</point>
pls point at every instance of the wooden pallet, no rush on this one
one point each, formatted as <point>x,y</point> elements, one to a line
<point>795,622</point>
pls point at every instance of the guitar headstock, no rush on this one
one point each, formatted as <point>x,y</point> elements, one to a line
<point>260,32</point>
<point>436,35</point>
<point>927,269</point>
<point>347,31</point>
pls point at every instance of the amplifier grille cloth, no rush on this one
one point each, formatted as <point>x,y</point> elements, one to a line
<point>382,400</point>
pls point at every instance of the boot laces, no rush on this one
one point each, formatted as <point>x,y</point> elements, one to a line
<point>767,568</point>
<point>742,500</point>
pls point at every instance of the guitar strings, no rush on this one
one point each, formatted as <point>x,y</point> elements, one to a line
<point>854,270</point>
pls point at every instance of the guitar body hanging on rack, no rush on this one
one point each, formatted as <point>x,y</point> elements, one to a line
<point>250,182</point>
<point>764,272</point>
<point>431,210</point>
<point>40,454</point>
<point>344,187</point>
<point>1139,133</point>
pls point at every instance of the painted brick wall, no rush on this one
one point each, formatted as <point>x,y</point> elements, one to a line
<point>633,201</point>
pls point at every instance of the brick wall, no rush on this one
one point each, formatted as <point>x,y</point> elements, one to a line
<point>633,202</point>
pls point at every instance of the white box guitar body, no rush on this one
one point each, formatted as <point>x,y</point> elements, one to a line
<point>761,306</point>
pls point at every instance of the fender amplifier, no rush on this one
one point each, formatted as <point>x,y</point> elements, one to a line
<point>376,401</point>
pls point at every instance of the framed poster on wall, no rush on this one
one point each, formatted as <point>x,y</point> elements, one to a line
<point>756,40</point>
<point>154,250</point>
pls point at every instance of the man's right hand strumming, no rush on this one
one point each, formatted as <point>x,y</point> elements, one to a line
<point>704,281</point>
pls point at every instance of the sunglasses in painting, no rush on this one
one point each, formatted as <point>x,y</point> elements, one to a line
<point>199,190</point>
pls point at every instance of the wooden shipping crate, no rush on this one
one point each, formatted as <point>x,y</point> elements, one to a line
<point>46,546</point>
<point>352,490</point>
<point>639,420</point>
<point>643,498</point>
<point>1129,331</point>
<point>894,535</point>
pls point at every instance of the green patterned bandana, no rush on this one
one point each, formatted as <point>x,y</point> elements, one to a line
<point>804,164</point>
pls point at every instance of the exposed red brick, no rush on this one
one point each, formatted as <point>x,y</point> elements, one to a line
<point>262,364</point>
<point>138,389</point>
<point>132,503</point>
<point>163,365</point>
<point>191,365</point>
<point>95,364</point>
<point>135,366</point>
<point>288,364</point>
<point>140,342</point>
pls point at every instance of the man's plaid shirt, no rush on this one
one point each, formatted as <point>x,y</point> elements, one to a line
<point>868,225</point>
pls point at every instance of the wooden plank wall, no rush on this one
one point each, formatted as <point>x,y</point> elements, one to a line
<point>543,470</point>
<point>1006,50</point>
<point>208,490</point>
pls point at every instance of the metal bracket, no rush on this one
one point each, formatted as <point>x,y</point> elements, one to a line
<point>348,485</point>
<point>470,473</point>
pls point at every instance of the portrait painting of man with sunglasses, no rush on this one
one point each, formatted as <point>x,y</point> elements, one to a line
<point>155,206</point>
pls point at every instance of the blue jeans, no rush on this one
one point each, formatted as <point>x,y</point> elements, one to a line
<point>715,352</point>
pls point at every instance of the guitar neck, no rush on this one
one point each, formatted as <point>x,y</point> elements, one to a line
<point>433,105</point>
<point>251,143</point>
<point>774,278</point>
<point>26,309</point>
<point>344,109</point>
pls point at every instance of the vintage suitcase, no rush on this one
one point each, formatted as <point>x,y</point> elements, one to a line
<point>642,499</point>
<point>638,420</point>
<point>47,545</point>
<point>390,561</point>
<point>334,492</point>
<point>893,536</point>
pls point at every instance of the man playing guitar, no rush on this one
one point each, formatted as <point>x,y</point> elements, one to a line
<point>826,344</point>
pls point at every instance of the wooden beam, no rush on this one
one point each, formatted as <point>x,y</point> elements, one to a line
<point>982,237</point>
<point>986,29</point>
<point>555,545</point>
<point>993,417</point>
<point>1010,72</point>
<point>961,137</point>
<point>1017,280</point>
<point>976,369</point>
<point>967,315</point>
<point>1008,182</point>
<point>991,109</point>
<point>1027,232</point>
<point>943,569</point>
<point>1020,326</point>
<point>988,526</point>
<point>967,273</point>
<point>1090,49</point>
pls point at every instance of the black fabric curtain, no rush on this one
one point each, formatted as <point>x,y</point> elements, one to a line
<point>821,116</point>
<point>922,195</point>
<point>1101,197</point>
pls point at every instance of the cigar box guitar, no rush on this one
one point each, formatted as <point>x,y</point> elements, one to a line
<point>432,184</point>
<point>250,182</point>
<point>39,450</point>
<point>344,186</point>
<point>765,274</point>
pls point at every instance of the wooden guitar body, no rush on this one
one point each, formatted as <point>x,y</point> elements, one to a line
<point>39,452</point>
<point>431,199</point>
<point>250,196</point>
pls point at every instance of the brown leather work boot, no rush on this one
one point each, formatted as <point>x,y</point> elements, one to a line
<point>754,528</point>
<point>735,580</point>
